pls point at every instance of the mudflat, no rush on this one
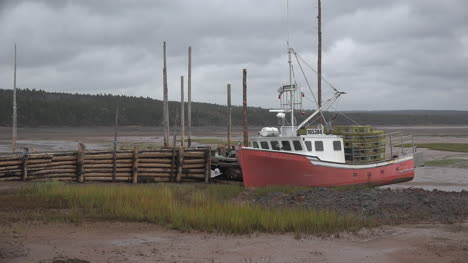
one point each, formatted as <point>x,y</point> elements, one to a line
<point>141,242</point>
<point>412,231</point>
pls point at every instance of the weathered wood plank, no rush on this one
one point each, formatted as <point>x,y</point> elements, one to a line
<point>80,162</point>
<point>135,165</point>
<point>208,165</point>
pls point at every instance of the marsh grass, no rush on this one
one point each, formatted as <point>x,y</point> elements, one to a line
<point>186,207</point>
<point>450,147</point>
<point>457,163</point>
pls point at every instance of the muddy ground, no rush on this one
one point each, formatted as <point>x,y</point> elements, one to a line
<point>411,232</point>
<point>140,242</point>
<point>438,231</point>
<point>383,205</point>
<point>66,138</point>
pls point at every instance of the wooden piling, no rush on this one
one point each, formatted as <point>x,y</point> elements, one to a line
<point>208,165</point>
<point>135,165</point>
<point>244,103</point>
<point>173,163</point>
<point>80,162</point>
<point>14,117</point>
<point>116,125</point>
<point>182,112</point>
<point>25,163</point>
<point>229,122</point>
<point>165,103</point>
<point>180,164</point>
<point>189,98</point>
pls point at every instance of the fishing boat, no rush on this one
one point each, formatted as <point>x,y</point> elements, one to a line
<point>322,155</point>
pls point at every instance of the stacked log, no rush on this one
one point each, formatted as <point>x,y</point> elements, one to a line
<point>165,165</point>
<point>11,167</point>
<point>51,166</point>
<point>188,164</point>
<point>99,166</point>
<point>38,166</point>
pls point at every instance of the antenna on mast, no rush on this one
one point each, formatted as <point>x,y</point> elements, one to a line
<point>319,55</point>
<point>291,87</point>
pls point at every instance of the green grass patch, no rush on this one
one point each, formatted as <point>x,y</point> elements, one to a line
<point>208,208</point>
<point>457,163</point>
<point>450,147</point>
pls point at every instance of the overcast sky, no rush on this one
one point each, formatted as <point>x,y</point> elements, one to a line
<point>400,54</point>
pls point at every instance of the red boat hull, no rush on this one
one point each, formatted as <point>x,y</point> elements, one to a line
<point>263,168</point>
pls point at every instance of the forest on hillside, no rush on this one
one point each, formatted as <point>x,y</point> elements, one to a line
<point>41,108</point>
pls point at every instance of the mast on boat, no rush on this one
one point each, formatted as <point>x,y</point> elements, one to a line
<point>289,105</point>
<point>291,89</point>
<point>319,55</point>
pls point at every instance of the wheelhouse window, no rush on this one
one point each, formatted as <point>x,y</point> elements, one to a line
<point>319,146</point>
<point>264,145</point>
<point>255,144</point>
<point>275,145</point>
<point>297,145</point>
<point>286,145</point>
<point>308,145</point>
<point>337,145</point>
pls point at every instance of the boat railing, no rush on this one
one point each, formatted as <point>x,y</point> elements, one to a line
<point>379,147</point>
<point>401,144</point>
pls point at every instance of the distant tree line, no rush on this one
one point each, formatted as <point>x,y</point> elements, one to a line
<point>41,108</point>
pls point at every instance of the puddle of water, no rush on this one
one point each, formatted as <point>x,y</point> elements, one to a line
<point>440,178</point>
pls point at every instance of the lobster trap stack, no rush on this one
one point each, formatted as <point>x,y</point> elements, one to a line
<point>362,144</point>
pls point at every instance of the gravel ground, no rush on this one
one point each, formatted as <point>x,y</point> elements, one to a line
<point>385,205</point>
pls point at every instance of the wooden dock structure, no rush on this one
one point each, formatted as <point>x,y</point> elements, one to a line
<point>133,166</point>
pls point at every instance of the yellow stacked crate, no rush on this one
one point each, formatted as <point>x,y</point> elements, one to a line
<point>362,144</point>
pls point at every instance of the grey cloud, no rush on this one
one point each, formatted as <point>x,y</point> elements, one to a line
<point>395,54</point>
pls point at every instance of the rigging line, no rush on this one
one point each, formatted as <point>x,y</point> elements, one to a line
<point>309,100</point>
<point>295,84</point>
<point>344,115</point>
<point>307,81</point>
<point>323,78</point>
<point>308,85</point>
<point>287,19</point>
<point>349,118</point>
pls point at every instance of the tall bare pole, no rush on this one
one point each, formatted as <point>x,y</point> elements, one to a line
<point>319,55</point>
<point>13,139</point>
<point>182,112</point>
<point>229,117</point>
<point>189,98</point>
<point>116,124</point>
<point>116,127</point>
<point>165,103</point>
<point>244,103</point>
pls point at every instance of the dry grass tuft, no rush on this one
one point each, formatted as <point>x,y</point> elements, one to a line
<point>185,207</point>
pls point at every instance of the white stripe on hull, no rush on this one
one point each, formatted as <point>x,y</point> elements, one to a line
<point>359,166</point>
<point>315,161</point>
